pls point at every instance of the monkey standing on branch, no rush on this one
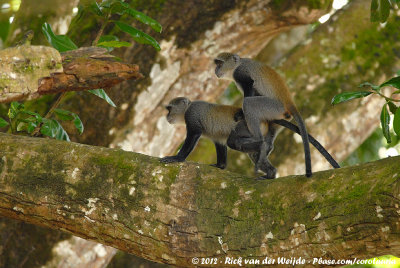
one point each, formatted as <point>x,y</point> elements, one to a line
<point>219,122</point>
<point>266,98</point>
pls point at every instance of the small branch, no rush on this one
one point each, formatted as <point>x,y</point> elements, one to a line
<point>103,26</point>
<point>383,96</point>
<point>81,69</point>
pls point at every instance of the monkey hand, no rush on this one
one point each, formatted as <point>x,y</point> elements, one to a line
<point>238,116</point>
<point>171,159</point>
<point>221,166</point>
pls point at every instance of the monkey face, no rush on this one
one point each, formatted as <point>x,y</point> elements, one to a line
<point>226,63</point>
<point>176,110</point>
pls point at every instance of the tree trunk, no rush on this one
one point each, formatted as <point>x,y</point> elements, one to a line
<point>173,213</point>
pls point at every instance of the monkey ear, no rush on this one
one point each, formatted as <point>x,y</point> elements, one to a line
<point>236,58</point>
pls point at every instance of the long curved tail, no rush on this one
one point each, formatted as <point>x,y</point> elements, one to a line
<point>313,141</point>
<point>303,132</point>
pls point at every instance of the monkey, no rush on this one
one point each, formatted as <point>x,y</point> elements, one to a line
<point>218,122</point>
<point>266,97</point>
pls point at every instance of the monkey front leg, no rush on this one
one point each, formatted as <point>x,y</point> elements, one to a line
<point>190,142</point>
<point>221,155</point>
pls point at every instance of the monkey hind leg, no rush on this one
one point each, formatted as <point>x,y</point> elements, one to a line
<point>265,166</point>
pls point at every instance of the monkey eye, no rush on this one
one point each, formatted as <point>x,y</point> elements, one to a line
<point>168,107</point>
<point>218,62</point>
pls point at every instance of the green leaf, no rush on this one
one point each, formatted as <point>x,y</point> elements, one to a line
<point>105,38</point>
<point>398,72</point>
<point>392,107</point>
<point>367,84</point>
<point>28,124</point>
<point>95,8</point>
<point>102,94</point>
<point>38,117</point>
<point>142,17</point>
<point>114,44</point>
<point>396,92</point>
<point>78,124</point>
<point>137,35</point>
<point>31,127</point>
<point>3,123</point>
<point>68,116</point>
<point>64,115</point>
<point>15,108</point>
<point>385,120</point>
<point>394,82</point>
<point>380,10</point>
<point>396,122</point>
<point>346,96</point>
<point>52,128</point>
<point>60,42</point>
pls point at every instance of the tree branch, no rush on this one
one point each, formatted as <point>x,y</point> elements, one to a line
<point>30,71</point>
<point>171,213</point>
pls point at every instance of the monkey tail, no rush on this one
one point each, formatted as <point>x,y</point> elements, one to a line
<point>313,141</point>
<point>303,132</point>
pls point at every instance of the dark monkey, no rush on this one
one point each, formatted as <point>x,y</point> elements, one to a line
<point>223,124</point>
<point>266,98</point>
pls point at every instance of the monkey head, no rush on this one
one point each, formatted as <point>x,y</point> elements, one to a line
<point>176,110</point>
<point>226,63</point>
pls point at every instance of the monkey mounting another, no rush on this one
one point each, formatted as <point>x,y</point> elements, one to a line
<point>223,124</point>
<point>266,98</point>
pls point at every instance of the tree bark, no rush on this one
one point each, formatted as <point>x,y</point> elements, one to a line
<point>172,213</point>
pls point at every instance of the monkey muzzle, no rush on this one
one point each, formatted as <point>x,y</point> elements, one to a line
<point>218,73</point>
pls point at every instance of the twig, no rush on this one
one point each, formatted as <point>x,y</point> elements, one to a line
<point>103,26</point>
<point>49,113</point>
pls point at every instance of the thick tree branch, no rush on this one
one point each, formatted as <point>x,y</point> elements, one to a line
<point>30,71</point>
<point>171,213</point>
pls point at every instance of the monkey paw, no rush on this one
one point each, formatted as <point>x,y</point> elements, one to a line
<point>171,159</point>
<point>218,166</point>
<point>265,177</point>
<point>269,170</point>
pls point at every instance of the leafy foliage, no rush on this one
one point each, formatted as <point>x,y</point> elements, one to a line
<point>388,108</point>
<point>107,8</point>
<point>60,42</point>
<point>23,120</point>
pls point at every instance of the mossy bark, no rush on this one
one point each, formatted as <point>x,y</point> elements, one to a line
<point>172,213</point>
